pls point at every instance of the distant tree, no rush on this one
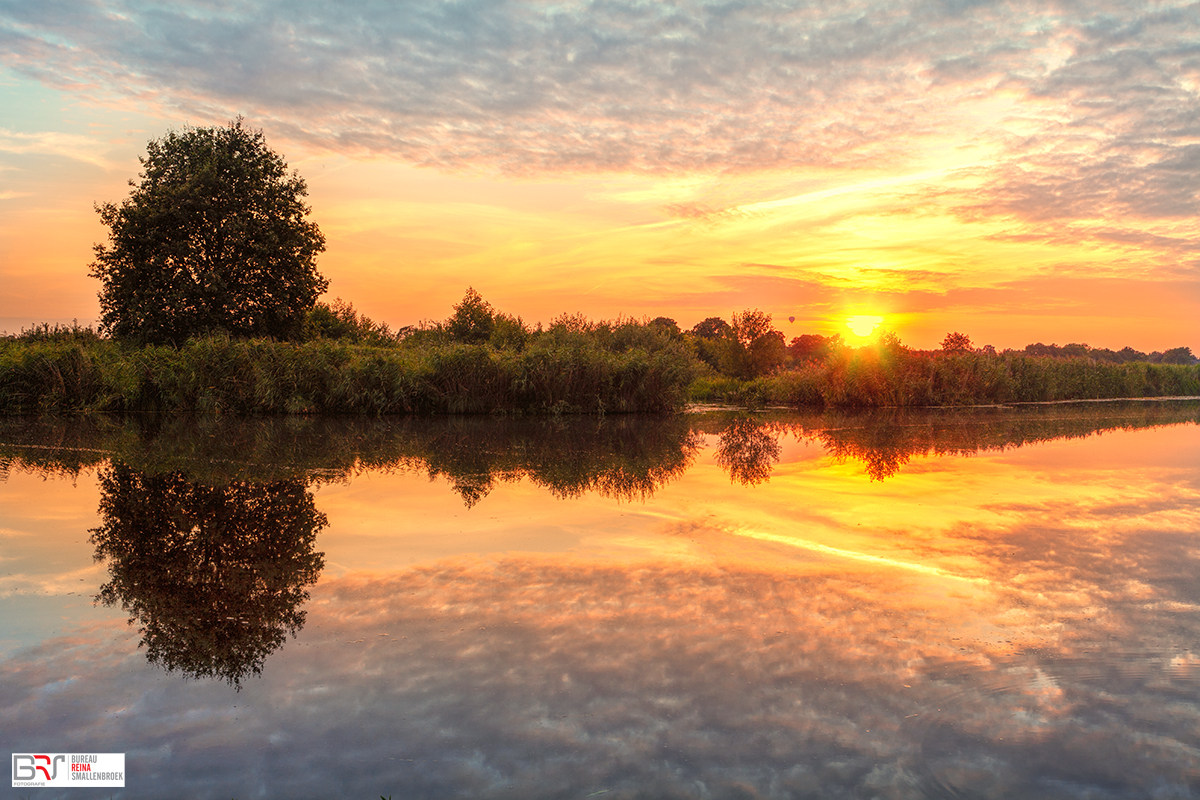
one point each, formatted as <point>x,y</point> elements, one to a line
<point>1129,354</point>
<point>711,328</point>
<point>509,332</point>
<point>1040,349</point>
<point>956,343</point>
<point>1075,350</point>
<point>339,320</point>
<point>473,319</point>
<point>813,347</point>
<point>214,237</point>
<point>750,326</point>
<point>889,342</point>
<point>1178,355</point>
<point>667,325</point>
<point>752,346</point>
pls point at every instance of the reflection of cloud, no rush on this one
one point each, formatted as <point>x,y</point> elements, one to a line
<point>817,547</point>
<point>546,677</point>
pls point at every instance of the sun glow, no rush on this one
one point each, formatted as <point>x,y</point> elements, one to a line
<point>863,325</point>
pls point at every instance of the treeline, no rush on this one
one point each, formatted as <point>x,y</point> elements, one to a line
<point>477,362</point>
<point>1176,355</point>
<point>888,374</point>
<point>749,364</point>
<point>482,361</point>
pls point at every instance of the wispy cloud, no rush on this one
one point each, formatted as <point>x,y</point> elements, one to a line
<point>1100,114</point>
<point>637,85</point>
<point>66,145</point>
<point>1064,136</point>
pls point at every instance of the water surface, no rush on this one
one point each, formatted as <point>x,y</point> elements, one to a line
<point>986,603</point>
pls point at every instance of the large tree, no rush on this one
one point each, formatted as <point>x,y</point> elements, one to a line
<point>214,237</point>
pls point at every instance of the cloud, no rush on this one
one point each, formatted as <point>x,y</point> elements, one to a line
<point>1071,114</point>
<point>65,145</point>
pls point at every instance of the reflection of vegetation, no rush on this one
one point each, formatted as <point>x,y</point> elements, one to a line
<point>624,457</point>
<point>214,575</point>
<point>747,449</point>
<point>885,439</point>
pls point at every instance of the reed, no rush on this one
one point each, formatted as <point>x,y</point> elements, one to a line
<point>895,376</point>
<point>222,375</point>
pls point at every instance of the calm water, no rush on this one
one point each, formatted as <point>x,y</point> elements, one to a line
<point>987,603</point>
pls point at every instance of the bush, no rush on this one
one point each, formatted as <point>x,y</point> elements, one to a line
<point>222,375</point>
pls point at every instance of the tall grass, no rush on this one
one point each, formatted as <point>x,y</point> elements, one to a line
<point>894,376</point>
<point>574,366</point>
<point>218,374</point>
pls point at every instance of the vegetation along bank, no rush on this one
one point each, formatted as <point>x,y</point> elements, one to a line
<point>483,362</point>
<point>209,304</point>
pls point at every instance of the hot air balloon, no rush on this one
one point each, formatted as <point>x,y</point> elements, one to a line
<point>791,319</point>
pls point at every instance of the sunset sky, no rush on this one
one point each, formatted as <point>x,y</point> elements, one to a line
<point>1019,172</point>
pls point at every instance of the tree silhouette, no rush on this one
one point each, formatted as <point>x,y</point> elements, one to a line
<point>214,237</point>
<point>813,347</point>
<point>214,575</point>
<point>956,343</point>
<point>711,328</point>
<point>473,319</point>
<point>752,346</point>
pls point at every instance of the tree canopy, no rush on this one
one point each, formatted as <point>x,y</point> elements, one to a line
<point>956,343</point>
<point>214,237</point>
<point>473,319</point>
<point>752,346</point>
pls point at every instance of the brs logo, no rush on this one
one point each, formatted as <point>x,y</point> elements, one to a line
<point>26,767</point>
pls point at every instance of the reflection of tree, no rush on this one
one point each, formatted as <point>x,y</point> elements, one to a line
<point>214,575</point>
<point>884,440</point>
<point>882,450</point>
<point>622,458</point>
<point>625,457</point>
<point>748,449</point>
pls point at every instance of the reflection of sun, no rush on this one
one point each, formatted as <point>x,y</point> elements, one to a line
<point>863,325</point>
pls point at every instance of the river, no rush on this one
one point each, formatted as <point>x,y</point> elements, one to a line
<point>996,602</point>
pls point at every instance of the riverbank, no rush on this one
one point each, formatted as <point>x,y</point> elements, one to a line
<point>870,377</point>
<point>220,375</point>
<point>554,375</point>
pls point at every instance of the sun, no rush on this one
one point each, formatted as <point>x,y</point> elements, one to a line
<point>863,325</point>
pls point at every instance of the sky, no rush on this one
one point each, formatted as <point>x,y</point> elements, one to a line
<point>1018,172</point>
